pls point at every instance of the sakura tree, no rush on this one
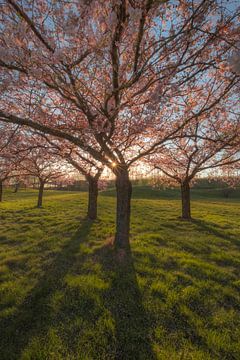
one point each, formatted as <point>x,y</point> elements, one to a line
<point>39,163</point>
<point>68,154</point>
<point>92,172</point>
<point>84,164</point>
<point>106,75</point>
<point>206,145</point>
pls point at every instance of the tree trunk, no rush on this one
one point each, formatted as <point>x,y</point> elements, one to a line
<point>92,198</point>
<point>1,190</point>
<point>40,194</point>
<point>124,193</point>
<point>16,188</point>
<point>186,207</point>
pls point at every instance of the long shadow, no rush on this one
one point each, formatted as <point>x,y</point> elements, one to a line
<point>123,299</point>
<point>203,225</point>
<point>34,315</point>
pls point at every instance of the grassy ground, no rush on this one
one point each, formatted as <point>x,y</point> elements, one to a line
<point>64,295</point>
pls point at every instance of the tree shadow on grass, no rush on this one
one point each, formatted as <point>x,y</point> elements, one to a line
<point>123,299</point>
<point>211,229</point>
<point>34,315</point>
<point>5,241</point>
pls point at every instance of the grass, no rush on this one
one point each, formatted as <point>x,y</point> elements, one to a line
<point>65,296</point>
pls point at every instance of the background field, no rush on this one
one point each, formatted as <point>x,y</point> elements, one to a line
<point>64,295</point>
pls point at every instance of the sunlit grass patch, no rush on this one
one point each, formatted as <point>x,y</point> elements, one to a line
<point>65,295</point>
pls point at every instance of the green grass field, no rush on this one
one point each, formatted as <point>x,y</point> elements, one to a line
<point>65,296</point>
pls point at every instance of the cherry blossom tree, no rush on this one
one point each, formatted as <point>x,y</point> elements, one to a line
<point>106,75</point>
<point>92,173</point>
<point>84,164</point>
<point>41,164</point>
<point>205,146</point>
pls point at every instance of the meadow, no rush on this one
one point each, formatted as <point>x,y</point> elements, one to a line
<point>65,296</point>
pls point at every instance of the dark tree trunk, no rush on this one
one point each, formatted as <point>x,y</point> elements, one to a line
<point>40,194</point>
<point>16,188</point>
<point>124,193</point>
<point>186,206</point>
<point>92,198</point>
<point>1,191</point>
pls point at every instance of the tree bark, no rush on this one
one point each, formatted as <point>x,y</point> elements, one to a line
<point>40,194</point>
<point>186,206</point>
<point>123,211</point>
<point>92,198</point>
<point>1,190</point>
